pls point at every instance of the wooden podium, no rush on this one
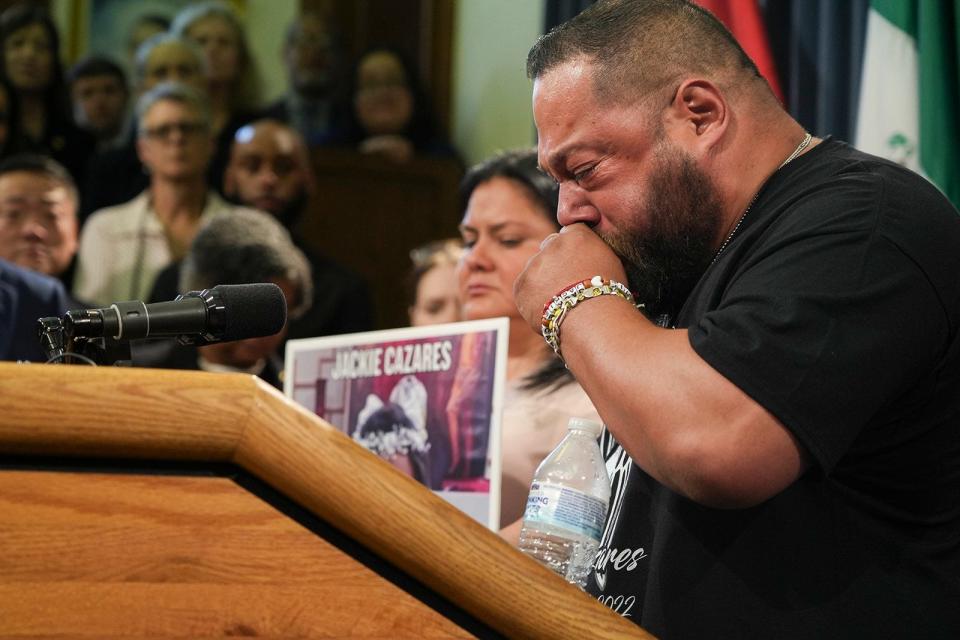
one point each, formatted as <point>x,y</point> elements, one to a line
<point>151,503</point>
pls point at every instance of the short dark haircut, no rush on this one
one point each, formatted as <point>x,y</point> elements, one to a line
<point>44,165</point>
<point>639,47</point>
<point>245,246</point>
<point>93,66</point>
<point>519,165</point>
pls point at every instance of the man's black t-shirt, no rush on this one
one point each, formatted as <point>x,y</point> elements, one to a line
<point>837,307</point>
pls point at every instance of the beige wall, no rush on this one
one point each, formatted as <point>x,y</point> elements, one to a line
<point>491,93</point>
<point>267,21</point>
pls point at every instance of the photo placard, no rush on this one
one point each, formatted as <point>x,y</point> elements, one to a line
<point>426,399</point>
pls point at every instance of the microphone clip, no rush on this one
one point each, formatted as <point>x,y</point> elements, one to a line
<point>63,347</point>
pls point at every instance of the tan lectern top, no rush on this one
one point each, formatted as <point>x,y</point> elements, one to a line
<point>57,410</point>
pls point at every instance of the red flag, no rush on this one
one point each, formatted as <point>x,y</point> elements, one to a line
<point>743,19</point>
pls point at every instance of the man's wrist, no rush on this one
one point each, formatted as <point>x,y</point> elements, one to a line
<point>556,309</point>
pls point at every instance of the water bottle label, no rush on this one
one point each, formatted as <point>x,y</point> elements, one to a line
<point>566,508</point>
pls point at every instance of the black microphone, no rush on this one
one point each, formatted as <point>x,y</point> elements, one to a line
<point>223,313</point>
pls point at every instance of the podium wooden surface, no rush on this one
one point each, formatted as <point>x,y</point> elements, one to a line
<point>125,550</point>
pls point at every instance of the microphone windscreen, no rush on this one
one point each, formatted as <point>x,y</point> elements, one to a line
<point>252,310</point>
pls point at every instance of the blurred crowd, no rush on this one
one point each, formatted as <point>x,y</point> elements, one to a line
<point>176,179</point>
<point>106,179</point>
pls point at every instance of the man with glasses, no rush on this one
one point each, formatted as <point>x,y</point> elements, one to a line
<point>117,175</point>
<point>122,248</point>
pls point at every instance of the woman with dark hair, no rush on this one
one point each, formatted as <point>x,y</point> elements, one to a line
<point>509,208</point>
<point>30,61</point>
<point>389,112</point>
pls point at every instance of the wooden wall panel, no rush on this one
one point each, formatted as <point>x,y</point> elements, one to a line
<point>370,212</point>
<point>422,29</point>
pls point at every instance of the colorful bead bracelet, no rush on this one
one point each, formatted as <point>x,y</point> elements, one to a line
<point>555,310</point>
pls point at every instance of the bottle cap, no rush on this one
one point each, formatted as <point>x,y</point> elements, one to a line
<point>591,426</point>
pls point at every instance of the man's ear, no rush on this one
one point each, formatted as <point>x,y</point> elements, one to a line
<point>700,111</point>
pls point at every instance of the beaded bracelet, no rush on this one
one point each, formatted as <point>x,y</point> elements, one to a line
<point>555,310</point>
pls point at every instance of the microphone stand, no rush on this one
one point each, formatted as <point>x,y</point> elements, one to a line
<point>61,346</point>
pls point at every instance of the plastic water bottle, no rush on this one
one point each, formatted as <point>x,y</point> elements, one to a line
<point>567,505</point>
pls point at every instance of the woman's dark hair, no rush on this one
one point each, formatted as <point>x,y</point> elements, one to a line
<point>520,165</point>
<point>422,130</point>
<point>12,116</point>
<point>23,15</point>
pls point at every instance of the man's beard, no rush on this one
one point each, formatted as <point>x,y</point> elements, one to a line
<point>668,251</point>
<point>293,210</point>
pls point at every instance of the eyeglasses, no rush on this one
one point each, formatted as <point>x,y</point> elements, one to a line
<point>165,131</point>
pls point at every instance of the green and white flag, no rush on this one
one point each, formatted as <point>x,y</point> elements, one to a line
<point>909,107</point>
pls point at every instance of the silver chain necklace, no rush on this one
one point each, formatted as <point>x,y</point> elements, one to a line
<point>800,147</point>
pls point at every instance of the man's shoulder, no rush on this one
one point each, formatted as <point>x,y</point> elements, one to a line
<point>33,289</point>
<point>843,165</point>
<point>840,186</point>
<point>27,280</point>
